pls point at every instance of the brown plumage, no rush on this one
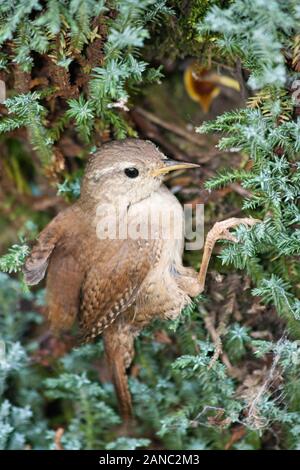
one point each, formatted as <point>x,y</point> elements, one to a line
<point>117,285</point>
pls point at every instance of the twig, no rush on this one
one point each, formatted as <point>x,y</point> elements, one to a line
<point>216,340</point>
<point>218,345</point>
<point>233,213</point>
<point>237,188</point>
<point>216,334</point>
<point>191,137</point>
<point>152,132</point>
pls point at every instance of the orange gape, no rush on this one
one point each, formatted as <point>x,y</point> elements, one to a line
<point>204,85</point>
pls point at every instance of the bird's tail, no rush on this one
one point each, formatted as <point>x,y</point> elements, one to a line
<point>122,390</point>
<point>117,351</point>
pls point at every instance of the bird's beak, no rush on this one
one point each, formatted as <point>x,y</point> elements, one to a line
<point>172,165</point>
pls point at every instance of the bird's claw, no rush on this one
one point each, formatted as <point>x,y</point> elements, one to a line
<point>220,230</point>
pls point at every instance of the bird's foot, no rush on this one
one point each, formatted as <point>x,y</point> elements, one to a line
<point>220,230</point>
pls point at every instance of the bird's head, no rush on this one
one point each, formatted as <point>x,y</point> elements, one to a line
<point>127,171</point>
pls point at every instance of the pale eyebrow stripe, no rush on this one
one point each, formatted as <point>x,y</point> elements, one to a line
<point>99,173</point>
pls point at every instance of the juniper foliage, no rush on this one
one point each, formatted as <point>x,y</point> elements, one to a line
<point>267,132</point>
<point>190,391</point>
<point>93,44</point>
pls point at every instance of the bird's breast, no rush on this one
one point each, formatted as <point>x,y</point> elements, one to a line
<point>158,217</point>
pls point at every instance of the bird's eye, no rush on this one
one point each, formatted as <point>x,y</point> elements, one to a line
<point>131,172</point>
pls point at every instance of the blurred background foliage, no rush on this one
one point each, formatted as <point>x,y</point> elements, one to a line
<point>77,73</point>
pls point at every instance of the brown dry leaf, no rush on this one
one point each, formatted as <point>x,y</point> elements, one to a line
<point>237,433</point>
<point>162,337</point>
<point>53,349</point>
<point>68,147</point>
<point>218,419</point>
<point>56,166</point>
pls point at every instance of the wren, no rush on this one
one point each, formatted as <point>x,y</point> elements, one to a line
<point>116,285</point>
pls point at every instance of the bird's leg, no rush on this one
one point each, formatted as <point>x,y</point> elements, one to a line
<point>220,231</point>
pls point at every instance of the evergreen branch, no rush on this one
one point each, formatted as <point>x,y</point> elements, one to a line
<point>14,259</point>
